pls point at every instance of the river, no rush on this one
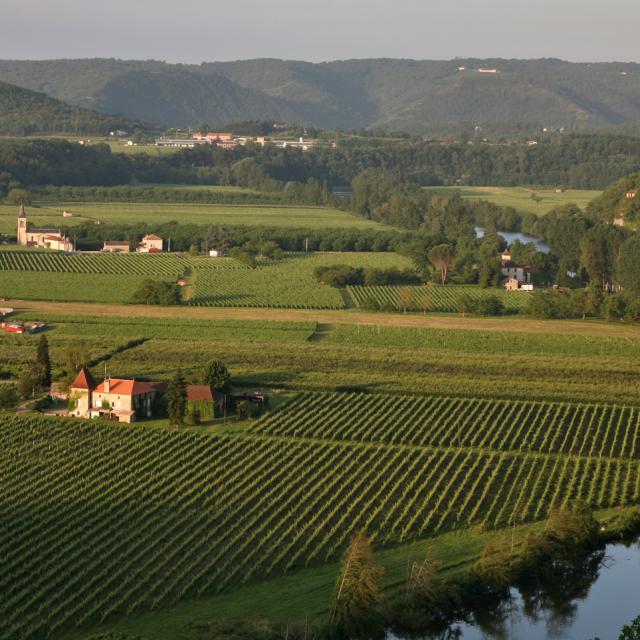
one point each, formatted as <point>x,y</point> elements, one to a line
<point>511,236</point>
<point>595,603</point>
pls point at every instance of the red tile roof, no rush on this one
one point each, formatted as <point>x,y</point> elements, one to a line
<point>84,380</point>
<point>199,392</point>
<point>125,387</point>
<point>153,236</point>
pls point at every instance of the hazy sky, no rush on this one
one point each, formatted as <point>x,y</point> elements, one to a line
<point>202,30</point>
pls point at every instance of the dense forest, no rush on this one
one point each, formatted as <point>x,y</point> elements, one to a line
<point>576,161</point>
<point>426,97</point>
<point>27,113</point>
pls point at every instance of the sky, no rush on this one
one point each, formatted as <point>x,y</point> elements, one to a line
<point>194,31</point>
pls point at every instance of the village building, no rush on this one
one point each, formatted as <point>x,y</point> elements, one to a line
<point>511,284</point>
<point>632,193</point>
<point>150,244</point>
<point>515,276</point>
<point>116,246</point>
<point>42,238</point>
<point>206,401</point>
<point>113,398</point>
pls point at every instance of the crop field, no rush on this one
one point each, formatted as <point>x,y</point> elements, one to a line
<point>297,216</point>
<point>444,299</point>
<point>94,263</point>
<point>187,515</point>
<point>526,199</point>
<point>76,287</point>
<point>284,283</point>
<point>506,342</point>
<point>501,425</point>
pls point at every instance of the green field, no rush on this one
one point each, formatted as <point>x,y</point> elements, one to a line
<point>191,515</point>
<point>288,283</point>
<point>445,299</point>
<point>502,363</point>
<point>95,277</point>
<point>122,213</point>
<point>520,198</point>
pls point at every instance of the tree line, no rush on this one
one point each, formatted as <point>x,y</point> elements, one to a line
<point>577,161</point>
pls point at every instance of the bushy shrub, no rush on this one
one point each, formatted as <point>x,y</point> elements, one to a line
<point>156,292</point>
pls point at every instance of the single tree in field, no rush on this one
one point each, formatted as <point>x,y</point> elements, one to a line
<point>406,299</point>
<point>424,302</point>
<point>177,399</point>
<point>216,375</point>
<point>354,613</point>
<point>29,380</point>
<point>74,358</point>
<point>441,257</point>
<point>44,361</point>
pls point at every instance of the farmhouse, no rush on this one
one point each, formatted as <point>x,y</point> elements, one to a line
<point>114,398</point>
<point>150,244</point>
<point>116,246</point>
<point>126,400</point>
<point>43,238</point>
<point>632,193</point>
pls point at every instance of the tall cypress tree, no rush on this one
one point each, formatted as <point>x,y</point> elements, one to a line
<point>177,399</point>
<point>355,612</point>
<point>44,362</point>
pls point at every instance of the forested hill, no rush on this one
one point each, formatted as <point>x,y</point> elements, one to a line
<point>427,97</point>
<point>25,112</point>
<point>620,201</point>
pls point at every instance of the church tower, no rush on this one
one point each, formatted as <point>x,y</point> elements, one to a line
<point>22,226</point>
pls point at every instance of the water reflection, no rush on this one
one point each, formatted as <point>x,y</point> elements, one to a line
<point>592,599</point>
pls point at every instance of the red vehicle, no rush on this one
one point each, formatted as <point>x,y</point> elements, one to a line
<point>21,327</point>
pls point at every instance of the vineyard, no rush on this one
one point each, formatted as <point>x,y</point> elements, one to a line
<point>445,299</point>
<point>287,283</point>
<point>93,263</point>
<point>101,521</point>
<point>501,425</point>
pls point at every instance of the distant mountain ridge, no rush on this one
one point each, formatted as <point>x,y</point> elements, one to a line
<point>417,96</point>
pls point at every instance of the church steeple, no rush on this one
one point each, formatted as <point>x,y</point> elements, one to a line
<point>22,226</point>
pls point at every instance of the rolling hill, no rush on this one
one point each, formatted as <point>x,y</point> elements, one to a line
<point>426,97</point>
<point>25,112</point>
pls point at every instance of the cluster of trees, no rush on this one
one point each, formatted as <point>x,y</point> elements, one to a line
<point>183,236</point>
<point>156,292</point>
<point>341,275</point>
<point>384,195</point>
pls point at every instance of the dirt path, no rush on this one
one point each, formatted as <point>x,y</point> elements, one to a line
<point>350,316</point>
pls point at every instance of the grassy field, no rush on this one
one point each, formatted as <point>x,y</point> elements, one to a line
<point>296,216</point>
<point>497,359</point>
<point>520,198</point>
